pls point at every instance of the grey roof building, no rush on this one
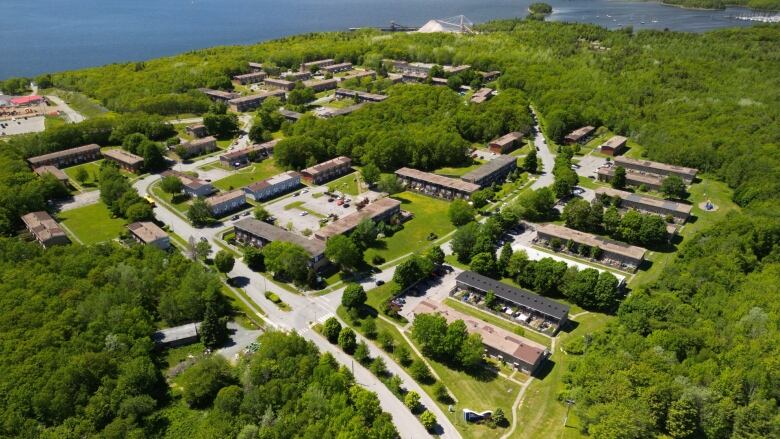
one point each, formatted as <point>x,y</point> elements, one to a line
<point>258,233</point>
<point>45,229</point>
<point>492,171</point>
<point>177,336</point>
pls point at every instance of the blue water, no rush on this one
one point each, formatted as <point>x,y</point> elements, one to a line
<point>38,36</point>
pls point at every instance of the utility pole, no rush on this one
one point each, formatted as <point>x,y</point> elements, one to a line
<point>569,403</point>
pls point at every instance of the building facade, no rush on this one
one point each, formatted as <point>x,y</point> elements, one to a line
<point>250,78</point>
<point>615,253</point>
<point>580,135</point>
<point>280,84</point>
<point>435,185</point>
<point>218,95</point>
<point>650,181</point>
<point>359,96</point>
<point>627,200</point>
<point>256,233</point>
<point>494,171</point>
<point>337,68</point>
<point>306,67</point>
<point>68,157</point>
<point>198,146</point>
<point>45,229</point>
<point>614,146</point>
<point>149,233</point>
<point>244,156</point>
<point>127,161</point>
<point>657,168</point>
<point>327,171</point>
<point>192,186</point>
<point>221,204</point>
<point>271,187</point>
<point>506,143</point>
<point>251,102</point>
<point>197,130</point>
<point>319,85</point>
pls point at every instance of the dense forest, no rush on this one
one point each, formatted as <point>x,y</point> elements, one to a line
<point>78,360</point>
<point>772,5</point>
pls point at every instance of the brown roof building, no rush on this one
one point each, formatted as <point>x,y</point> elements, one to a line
<point>679,211</point>
<point>48,169</point>
<point>492,171</point>
<point>250,78</point>
<point>45,229</point>
<point>490,76</point>
<point>256,233</point>
<point>67,157</point>
<point>650,181</point>
<point>612,252</point>
<point>198,146</point>
<point>327,171</point>
<point>218,95</point>
<point>614,146</point>
<point>281,84</point>
<point>481,95</point>
<point>125,160</point>
<point>380,210</point>
<point>580,135</point>
<point>253,153</point>
<point>255,67</point>
<point>518,351</point>
<point>359,96</point>
<point>223,203</point>
<point>149,233</point>
<point>246,103</point>
<point>193,186</point>
<point>359,74</point>
<point>296,76</point>
<point>197,130</point>
<point>506,143</point>
<point>305,67</point>
<point>435,185</point>
<point>319,85</point>
<point>656,168</point>
<point>337,68</point>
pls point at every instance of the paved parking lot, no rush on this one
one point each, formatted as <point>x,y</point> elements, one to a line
<point>34,124</point>
<point>436,289</point>
<point>589,164</point>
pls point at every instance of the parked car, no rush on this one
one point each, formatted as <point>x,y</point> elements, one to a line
<point>380,282</point>
<point>304,213</point>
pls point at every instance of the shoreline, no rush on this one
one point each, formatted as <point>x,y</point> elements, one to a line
<point>725,6</point>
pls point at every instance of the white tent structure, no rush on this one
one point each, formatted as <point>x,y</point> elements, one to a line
<point>459,24</point>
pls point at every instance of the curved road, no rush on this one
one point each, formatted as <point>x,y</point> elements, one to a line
<point>544,154</point>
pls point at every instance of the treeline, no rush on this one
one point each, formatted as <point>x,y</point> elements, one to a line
<point>77,355</point>
<point>419,126</point>
<point>693,354</point>
<point>634,227</point>
<point>772,5</point>
<point>120,196</point>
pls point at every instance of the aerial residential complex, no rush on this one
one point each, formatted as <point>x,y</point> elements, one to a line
<point>435,185</point>
<point>67,157</point>
<point>679,211</point>
<point>251,102</point>
<point>612,252</point>
<point>250,231</point>
<point>270,187</point>
<point>45,229</point>
<point>506,143</point>
<point>51,170</point>
<point>127,161</point>
<point>327,171</point>
<point>523,354</point>
<point>198,146</point>
<point>380,210</point>
<point>526,307</point>
<point>149,233</point>
<point>493,171</point>
<point>193,186</point>
<point>223,203</point>
<point>359,96</point>
<point>250,78</point>
<point>652,182</point>
<point>242,157</point>
<point>614,146</point>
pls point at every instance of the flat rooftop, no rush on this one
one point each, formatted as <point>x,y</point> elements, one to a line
<point>508,138</point>
<point>512,294</point>
<point>646,200</point>
<point>272,181</point>
<point>489,168</point>
<point>53,170</point>
<point>271,233</point>
<point>497,338</point>
<point>225,197</point>
<point>177,333</point>
<point>438,180</point>
<point>349,222</point>
<point>43,225</point>
<point>634,177</point>
<point>240,153</point>
<point>85,149</point>
<point>614,142</point>
<point>325,166</point>
<point>682,170</point>
<point>256,97</point>
<point>605,244</point>
<point>147,231</point>
<point>580,132</point>
<point>123,156</point>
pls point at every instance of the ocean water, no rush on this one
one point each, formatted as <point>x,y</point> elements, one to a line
<point>38,36</point>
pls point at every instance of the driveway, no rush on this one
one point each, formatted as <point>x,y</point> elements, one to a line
<point>240,338</point>
<point>72,115</point>
<point>544,154</point>
<point>79,200</point>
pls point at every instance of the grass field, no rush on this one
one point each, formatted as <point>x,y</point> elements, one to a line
<point>347,184</point>
<point>459,171</point>
<point>430,216</point>
<point>497,321</point>
<point>92,224</point>
<point>182,203</point>
<point>248,175</point>
<point>93,169</point>
<point>81,103</point>
<point>541,414</point>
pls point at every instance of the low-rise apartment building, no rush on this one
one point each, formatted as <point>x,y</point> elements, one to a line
<point>490,76</point>
<point>67,157</point>
<point>435,185</point>
<point>149,233</point>
<point>337,68</point>
<point>506,143</point>
<point>251,102</point>
<point>296,76</point>
<point>223,203</point>
<point>523,354</point>
<point>290,116</point>
<point>327,171</point>
<point>613,252</point>
<point>271,187</point>
<point>197,130</point>
<point>657,168</point>
<point>359,74</point>
<point>380,210</point>
<point>627,200</point>
<point>614,146</point>
<point>218,95</point>
<point>51,170</point>
<point>481,95</point>
<point>256,233</point>
<point>244,156</point>
<point>198,146</point>
<point>126,160</point>
<point>529,308</point>
<point>250,78</point>
<point>580,135</point>
<point>493,171</point>
<point>650,181</point>
<point>306,67</point>
<point>192,186</point>
<point>45,229</point>
<point>319,85</point>
<point>280,84</point>
<point>255,67</point>
<point>359,96</point>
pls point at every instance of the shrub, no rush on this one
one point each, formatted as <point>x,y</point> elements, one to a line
<point>428,420</point>
<point>272,297</point>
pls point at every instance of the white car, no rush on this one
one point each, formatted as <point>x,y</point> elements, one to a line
<point>303,213</point>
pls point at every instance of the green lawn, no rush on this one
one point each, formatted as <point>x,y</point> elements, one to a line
<point>92,224</point>
<point>347,184</point>
<point>379,295</point>
<point>93,170</point>
<point>248,175</point>
<point>541,414</point>
<point>456,172</point>
<point>182,203</point>
<point>88,107</point>
<point>497,321</point>
<point>430,216</point>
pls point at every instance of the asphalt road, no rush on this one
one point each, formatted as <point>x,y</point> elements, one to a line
<point>73,115</point>
<point>545,156</point>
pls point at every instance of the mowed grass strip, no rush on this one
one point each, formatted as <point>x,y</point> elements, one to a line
<point>347,184</point>
<point>92,224</point>
<point>430,216</point>
<point>248,175</point>
<point>93,171</point>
